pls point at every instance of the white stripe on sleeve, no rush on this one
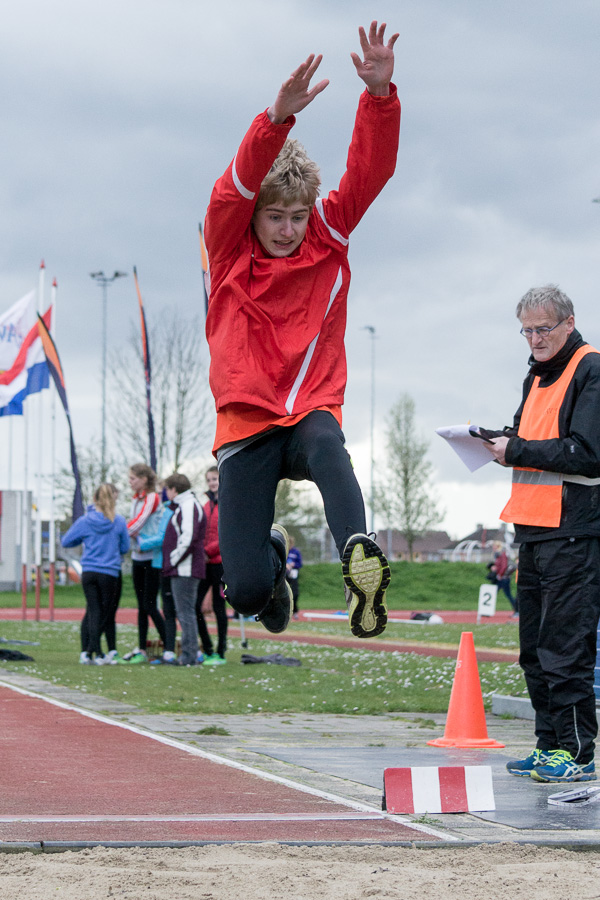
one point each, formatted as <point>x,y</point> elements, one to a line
<point>249,195</point>
<point>334,234</point>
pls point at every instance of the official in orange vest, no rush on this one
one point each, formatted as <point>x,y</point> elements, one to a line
<point>554,451</point>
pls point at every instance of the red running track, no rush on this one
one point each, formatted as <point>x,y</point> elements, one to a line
<point>68,775</point>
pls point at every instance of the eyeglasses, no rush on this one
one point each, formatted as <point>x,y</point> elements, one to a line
<point>542,332</point>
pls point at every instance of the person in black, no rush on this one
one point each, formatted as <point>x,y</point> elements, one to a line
<point>558,589</point>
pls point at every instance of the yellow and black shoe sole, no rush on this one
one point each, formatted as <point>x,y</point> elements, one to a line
<point>367,575</point>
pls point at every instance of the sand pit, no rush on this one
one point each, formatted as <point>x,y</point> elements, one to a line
<point>272,872</point>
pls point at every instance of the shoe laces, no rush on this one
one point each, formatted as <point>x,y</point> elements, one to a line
<point>559,757</point>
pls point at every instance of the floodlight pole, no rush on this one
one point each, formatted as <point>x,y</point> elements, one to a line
<point>371,331</point>
<point>103,281</point>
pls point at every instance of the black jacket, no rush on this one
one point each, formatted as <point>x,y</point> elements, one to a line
<point>577,449</point>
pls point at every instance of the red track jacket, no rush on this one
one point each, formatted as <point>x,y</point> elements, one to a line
<point>276,327</point>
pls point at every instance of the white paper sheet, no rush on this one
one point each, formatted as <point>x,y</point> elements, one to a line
<point>471,450</point>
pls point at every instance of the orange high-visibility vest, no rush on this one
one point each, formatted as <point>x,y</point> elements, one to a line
<point>536,496</point>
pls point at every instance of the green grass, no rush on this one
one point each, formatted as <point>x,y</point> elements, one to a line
<point>330,680</point>
<point>415,586</point>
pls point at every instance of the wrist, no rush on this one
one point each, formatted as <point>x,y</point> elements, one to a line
<point>379,90</point>
<point>273,117</point>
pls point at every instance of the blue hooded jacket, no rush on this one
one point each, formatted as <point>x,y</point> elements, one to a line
<point>152,537</point>
<point>103,541</point>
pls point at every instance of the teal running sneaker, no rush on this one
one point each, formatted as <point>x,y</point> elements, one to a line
<point>562,767</point>
<point>526,766</point>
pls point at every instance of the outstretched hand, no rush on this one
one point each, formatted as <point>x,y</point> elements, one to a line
<point>296,93</point>
<point>377,66</point>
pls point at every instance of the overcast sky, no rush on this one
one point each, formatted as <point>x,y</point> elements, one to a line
<point>119,116</point>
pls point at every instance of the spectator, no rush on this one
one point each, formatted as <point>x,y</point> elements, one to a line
<point>151,538</point>
<point>105,540</point>
<point>146,579</point>
<point>293,566</point>
<point>110,621</point>
<point>213,578</point>
<point>183,559</point>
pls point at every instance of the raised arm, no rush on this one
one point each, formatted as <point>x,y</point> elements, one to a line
<point>295,93</point>
<point>377,66</point>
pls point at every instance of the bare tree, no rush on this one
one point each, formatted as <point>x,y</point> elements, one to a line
<point>404,492</point>
<point>182,406</point>
<point>92,476</point>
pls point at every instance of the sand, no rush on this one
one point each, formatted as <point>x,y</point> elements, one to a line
<point>273,872</point>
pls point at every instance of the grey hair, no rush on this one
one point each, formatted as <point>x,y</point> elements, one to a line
<point>293,178</point>
<point>547,296</point>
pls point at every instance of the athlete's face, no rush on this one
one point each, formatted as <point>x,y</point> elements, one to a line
<point>281,228</point>
<point>545,346</point>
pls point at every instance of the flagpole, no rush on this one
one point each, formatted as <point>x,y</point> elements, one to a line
<point>39,454</point>
<point>51,522</point>
<point>10,452</point>
<point>24,515</point>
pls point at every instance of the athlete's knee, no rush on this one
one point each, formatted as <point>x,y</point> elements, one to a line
<point>328,447</point>
<point>249,596</point>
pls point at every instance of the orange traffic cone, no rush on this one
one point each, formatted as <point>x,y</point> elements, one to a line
<point>465,723</point>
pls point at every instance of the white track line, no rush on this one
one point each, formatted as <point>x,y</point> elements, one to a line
<point>259,817</point>
<point>223,761</point>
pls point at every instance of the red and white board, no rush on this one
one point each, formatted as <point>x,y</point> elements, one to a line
<point>438,789</point>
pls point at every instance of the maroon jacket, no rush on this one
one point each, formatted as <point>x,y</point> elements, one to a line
<point>183,544</point>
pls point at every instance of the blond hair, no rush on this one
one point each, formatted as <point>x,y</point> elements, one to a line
<point>104,501</point>
<point>293,178</point>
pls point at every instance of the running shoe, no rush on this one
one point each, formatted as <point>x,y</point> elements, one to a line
<point>526,766</point>
<point>136,658</point>
<point>276,614</point>
<point>562,767</point>
<point>214,660</point>
<point>366,575</point>
<point>84,659</point>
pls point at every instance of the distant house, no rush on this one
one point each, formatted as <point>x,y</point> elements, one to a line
<point>479,546</point>
<point>429,547</point>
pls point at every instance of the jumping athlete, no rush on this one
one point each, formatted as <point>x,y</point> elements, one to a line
<point>275,326</point>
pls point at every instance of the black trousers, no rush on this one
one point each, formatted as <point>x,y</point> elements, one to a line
<point>559,607</point>
<point>214,580</point>
<point>168,605</point>
<point>146,581</point>
<point>312,450</point>
<point>110,624</point>
<point>99,589</point>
